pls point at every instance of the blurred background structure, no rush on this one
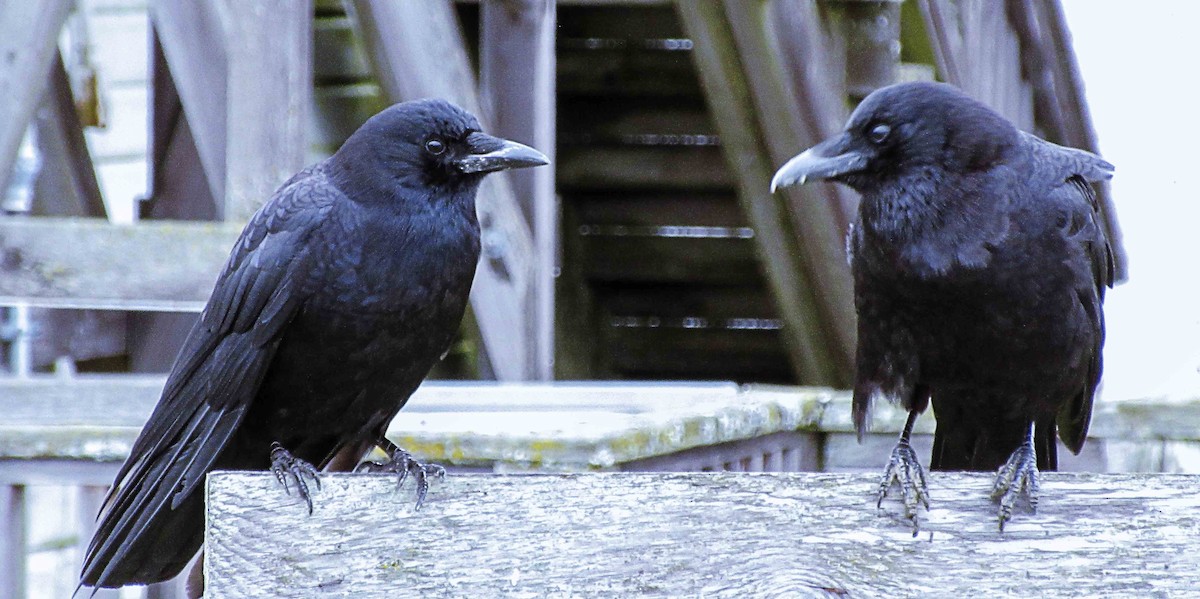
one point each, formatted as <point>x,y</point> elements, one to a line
<point>136,136</point>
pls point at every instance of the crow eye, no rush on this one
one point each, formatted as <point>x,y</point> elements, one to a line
<point>435,146</point>
<point>879,133</point>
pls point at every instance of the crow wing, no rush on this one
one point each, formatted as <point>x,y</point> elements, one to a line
<point>218,371</point>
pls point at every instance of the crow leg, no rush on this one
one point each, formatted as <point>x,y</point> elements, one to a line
<point>1018,476</point>
<point>905,469</point>
<point>402,463</point>
<point>287,467</point>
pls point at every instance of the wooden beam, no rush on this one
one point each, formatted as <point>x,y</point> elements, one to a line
<point>580,426</point>
<point>28,43</point>
<point>517,75</point>
<point>243,71</point>
<point>417,51</point>
<point>871,31</point>
<point>803,255</point>
<point>163,266</point>
<point>269,95</point>
<point>700,534</point>
<point>73,190</point>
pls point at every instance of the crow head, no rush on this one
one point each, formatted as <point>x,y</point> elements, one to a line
<point>906,130</point>
<point>428,145</point>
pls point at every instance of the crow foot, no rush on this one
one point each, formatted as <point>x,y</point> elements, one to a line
<point>286,466</point>
<point>403,464</point>
<point>1018,476</point>
<point>905,469</point>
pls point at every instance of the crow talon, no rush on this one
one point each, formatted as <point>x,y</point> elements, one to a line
<point>286,466</point>
<point>403,464</point>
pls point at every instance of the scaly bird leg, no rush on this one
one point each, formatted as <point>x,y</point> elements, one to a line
<point>286,466</point>
<point>402,463</point>
<point>1018,476</point>
<point>905,469</point>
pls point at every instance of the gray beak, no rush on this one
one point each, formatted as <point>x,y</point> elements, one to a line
<point>490,154</point>
<point>829,158</point>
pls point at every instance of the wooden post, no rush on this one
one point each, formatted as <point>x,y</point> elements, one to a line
<point>269,95</point>
<point>13,540</point>
<point>28,36</point>
<point>698,534</point>
<point>800,241</point>
<point>517,72</point>
<point>872,33</point>
<point>417,51</point>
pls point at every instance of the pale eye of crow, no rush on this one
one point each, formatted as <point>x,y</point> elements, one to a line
<point>435,146</point>
<point>879,133</point>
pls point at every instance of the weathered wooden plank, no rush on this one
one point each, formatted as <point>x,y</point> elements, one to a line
<point>517,74</point>
<point>711,535</point>
<point>268,44</point>
<point>417,51</point>
<point>67,183</point>
<point>243,71</point>
<point>674,208</point>
<point>816,358</point>
<point>563,426</point>
<point>165,266</point>
<point>28,32</point>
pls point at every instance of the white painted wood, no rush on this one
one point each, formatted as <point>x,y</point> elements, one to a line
<point>698,535</point>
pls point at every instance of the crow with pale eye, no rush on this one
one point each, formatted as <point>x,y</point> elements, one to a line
<point>980,267</point>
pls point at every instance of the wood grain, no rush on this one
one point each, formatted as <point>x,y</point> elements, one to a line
<point>698,535</point>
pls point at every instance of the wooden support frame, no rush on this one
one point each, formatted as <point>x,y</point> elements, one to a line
<point>65,155</point>
<point>243,75</point>
<point>801,237</point>
<point>28,44</point>
<point>417,51</point>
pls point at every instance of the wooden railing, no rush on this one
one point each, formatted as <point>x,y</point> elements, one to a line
<point>73,433</point>
<point>700,535</point>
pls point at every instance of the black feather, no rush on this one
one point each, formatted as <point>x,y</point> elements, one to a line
<point>341,293</point>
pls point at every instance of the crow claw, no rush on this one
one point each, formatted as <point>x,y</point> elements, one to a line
<point>905,469</point>
<point>1018,476</point>
<point>286,466</point>
<point>403,464</point>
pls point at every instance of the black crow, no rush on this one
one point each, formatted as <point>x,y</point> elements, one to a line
<point>341,293</point>
<point>980,267</point>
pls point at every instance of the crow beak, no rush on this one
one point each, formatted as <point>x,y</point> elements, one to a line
<point>490,154</point>
<point>827,159</point>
